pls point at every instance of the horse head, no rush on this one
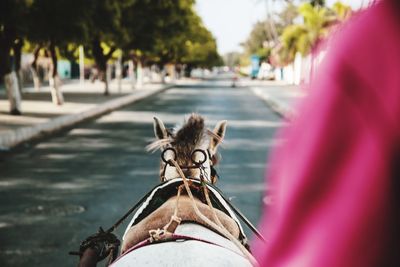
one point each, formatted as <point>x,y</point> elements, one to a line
<point>193,146</point>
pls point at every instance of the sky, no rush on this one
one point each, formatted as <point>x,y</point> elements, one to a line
<point>231,21</point>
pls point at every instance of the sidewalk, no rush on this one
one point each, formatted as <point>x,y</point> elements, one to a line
<point>280,97</point>
<point>41,117</point>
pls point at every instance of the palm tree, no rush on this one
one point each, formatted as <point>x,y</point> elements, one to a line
<point>303,37</point>
<point>306,37</point>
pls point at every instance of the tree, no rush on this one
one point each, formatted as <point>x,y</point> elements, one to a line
<point>105,33</point>
<point>156,30</point>
<point>342,11</point>
<point>288,14</point>
<point>200,47</point>
<point>261,40</point>
<point>54,23</point>
<point>193,45</point>
<point>34,67</point>
<point>11,29</point>
<point>139,23</point>
<point>304,37</point>
<point>17,53</point>
<point>232,59</point>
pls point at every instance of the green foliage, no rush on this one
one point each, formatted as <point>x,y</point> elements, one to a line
<point>200,46</point>
<point>153,31</point>
<point>304,37</point>
<point>232,59</point>
<point>288,15</point>
<point>342,11</point>
<point>295,39</point>
<point>69,51</point>
<point>259,37</point>
<point>12,27</point>
<point>168,32</point>
<point>105,31</point>
<point>11,12</point>
<point>317,22</point>
<point>317,3</point>
<point>104,21</point>
<point>260,41</point>
<point>59,21</point>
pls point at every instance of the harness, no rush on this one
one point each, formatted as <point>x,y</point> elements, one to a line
<point>196,164</point>
<point>161,193</point>
<point>187,184</point>
<point>199,188</point>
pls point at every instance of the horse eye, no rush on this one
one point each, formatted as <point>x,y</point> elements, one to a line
<point>168,154</point>
<point>199,156</point>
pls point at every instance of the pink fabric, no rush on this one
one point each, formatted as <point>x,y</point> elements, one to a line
<point>334,175</point>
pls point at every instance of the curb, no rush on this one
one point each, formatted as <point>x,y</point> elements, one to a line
<point>16,137</point>
<point>281,109</point>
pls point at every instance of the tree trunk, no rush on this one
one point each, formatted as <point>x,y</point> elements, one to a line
<point>173,73</point>
<point>163,74</point>
<point>34,70</point>
<point>10,80</point>
<point>188,70</point>
<point>107,80</point>
<point>81,66</point>
<point>19,80</point>
<point>14,96</point>
<point>139,74</point>
<point>104,77</point>
<point>132,73</point>
<point>17,47</point>
<point>54,80</point>
<point>101,61</point>
<point>118,73</point>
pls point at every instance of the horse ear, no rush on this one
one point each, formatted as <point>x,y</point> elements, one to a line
<point>218,135</point>
<point>159,129</point>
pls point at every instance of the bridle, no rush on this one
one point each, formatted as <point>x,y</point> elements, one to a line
<point>199,164</point>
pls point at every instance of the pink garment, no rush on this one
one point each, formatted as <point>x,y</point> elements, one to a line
<point>336,176</point>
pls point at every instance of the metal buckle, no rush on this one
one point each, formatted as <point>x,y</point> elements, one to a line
<point>164,152</point>
<point>200,162</point>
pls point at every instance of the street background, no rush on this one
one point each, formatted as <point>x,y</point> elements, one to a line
<point>63,188</point>
<point>80,83</point>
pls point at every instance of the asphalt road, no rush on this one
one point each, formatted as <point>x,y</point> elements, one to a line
<point>57,192</point>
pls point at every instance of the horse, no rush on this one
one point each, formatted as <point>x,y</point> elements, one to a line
<point>186,220</point>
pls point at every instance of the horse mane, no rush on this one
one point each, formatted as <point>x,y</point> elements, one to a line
<point>158,144</point>
<point>191,133</point>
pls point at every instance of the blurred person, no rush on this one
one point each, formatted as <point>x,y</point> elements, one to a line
<point>336,178</point>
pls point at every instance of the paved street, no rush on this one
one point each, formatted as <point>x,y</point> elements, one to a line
<point>59,191</point>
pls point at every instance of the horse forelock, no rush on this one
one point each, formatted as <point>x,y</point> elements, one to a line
<point>190,136</point>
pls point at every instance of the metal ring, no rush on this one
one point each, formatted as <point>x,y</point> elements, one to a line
<point>165,151</point>
<point>200,161</point>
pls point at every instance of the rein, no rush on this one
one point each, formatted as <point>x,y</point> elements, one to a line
<point>217,225</point>
<point>199,165</point>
